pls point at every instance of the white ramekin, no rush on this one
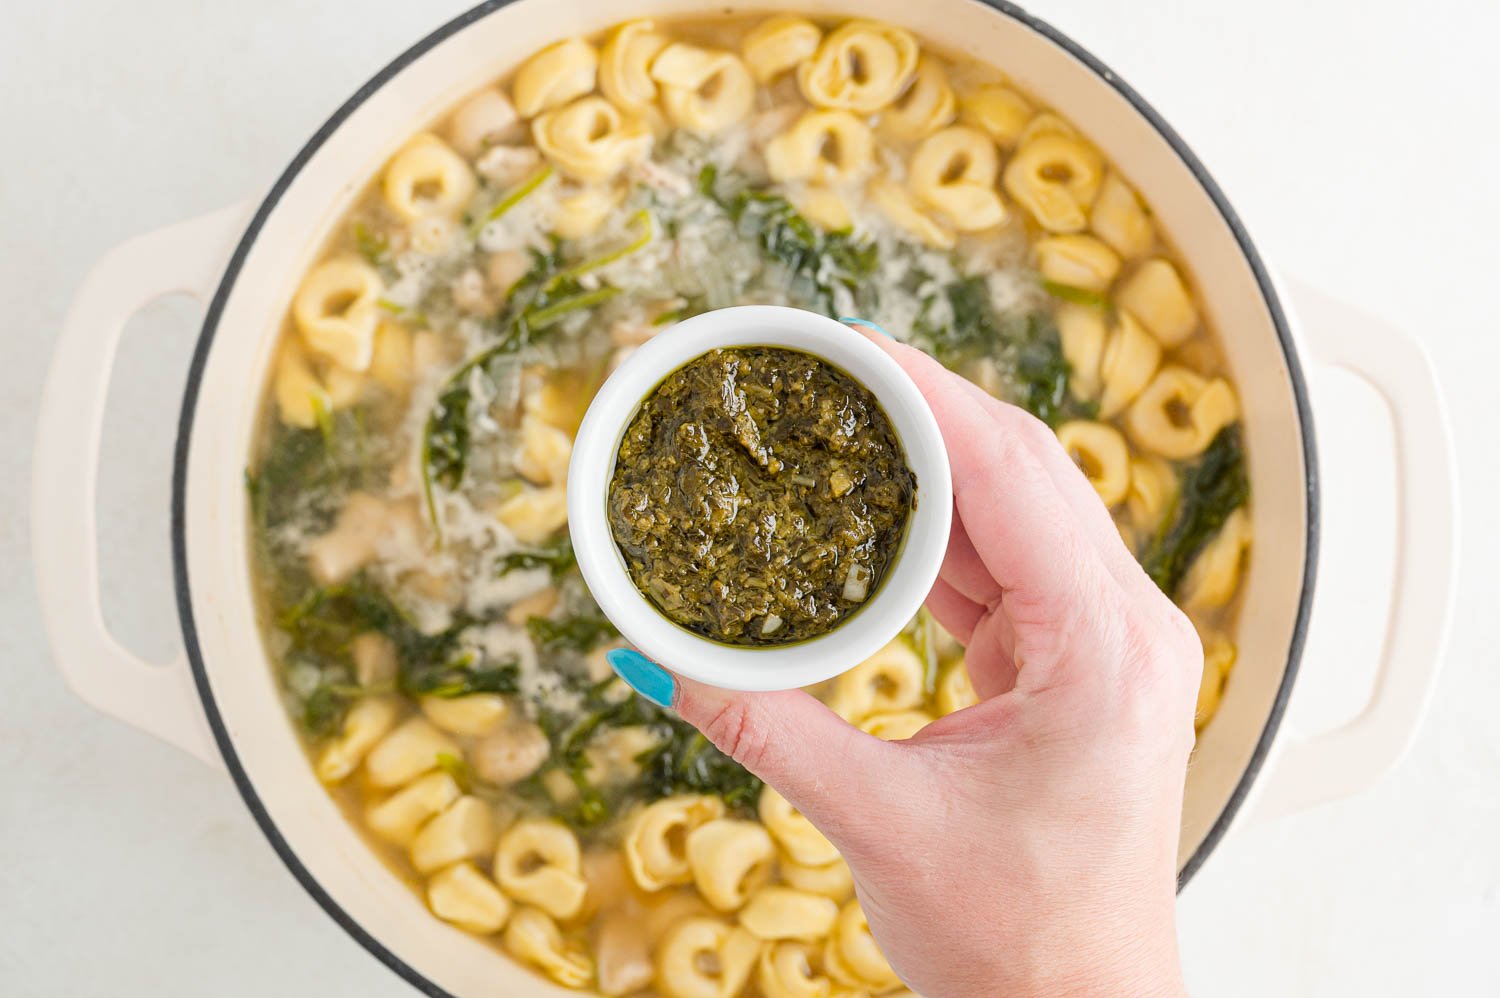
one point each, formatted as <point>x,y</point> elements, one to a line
<point>908,579</point>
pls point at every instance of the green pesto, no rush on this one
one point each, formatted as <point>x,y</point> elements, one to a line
<point>759,496</point>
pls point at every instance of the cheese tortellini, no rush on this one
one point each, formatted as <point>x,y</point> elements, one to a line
<point>859,66</point>
<point>729,860</point>
<point>927,105</point>
<point>1180,412</point>
<point>426,178</point>
<point>590,139</point>
<point>953,171</point>
<point>656,842</point>
<point>1215,573</point>
<point>625,66</point>
<point>554,76</point>
<point>535,938</point>
<point>793,832</point>
<point>1055,178</point>
<point>539,863</point>
<point>774,913</point>
<point>336,310</point>
<point>827,146</point>
<point>705,958</point>
<point>1100,451</point>
<point>778,45</point>
<point>703,90</point>
<point>889,680</point>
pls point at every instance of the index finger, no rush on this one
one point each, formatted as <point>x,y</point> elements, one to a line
<point>1024,531</point>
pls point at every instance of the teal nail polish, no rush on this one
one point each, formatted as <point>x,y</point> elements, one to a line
<point>643,675</point>
<point>866,323</point>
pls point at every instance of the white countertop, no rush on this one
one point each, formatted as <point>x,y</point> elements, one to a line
<point>1357,139</point>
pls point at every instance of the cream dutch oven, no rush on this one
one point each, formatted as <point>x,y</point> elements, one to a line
<point>219,701</point>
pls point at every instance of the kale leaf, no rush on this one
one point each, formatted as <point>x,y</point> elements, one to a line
<point>557,557</point>
<point>1212,487</point>
<point>582,633</point>
<point>824,261</point>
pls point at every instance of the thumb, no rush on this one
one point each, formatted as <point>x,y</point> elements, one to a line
<point>823,766</point>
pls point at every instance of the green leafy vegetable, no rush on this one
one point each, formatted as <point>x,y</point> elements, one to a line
<point>547,294</point>
<point>681,761</point>
<point>323,711</point>
<point>1078,296</point>
<point>557,556</point>
<point>1211,488</point>
<point>826,261</point>
<point>511,198</point>
<point>1027,346</point>
<point>580,634</point>
<point>370,246</point>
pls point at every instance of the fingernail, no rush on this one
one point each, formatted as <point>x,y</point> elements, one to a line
<point>642,675</point>
<point>866,323</point>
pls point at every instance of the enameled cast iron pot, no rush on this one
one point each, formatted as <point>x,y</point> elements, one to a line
<point>219,699</point>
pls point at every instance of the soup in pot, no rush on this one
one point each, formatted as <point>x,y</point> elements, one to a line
<point>420,602</point>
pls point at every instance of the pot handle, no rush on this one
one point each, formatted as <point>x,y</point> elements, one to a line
<point>1349,759</point>
<point>187,258</point>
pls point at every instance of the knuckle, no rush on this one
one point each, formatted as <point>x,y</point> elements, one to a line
<point>736,731</point>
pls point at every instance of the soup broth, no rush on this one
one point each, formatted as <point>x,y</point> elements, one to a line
<point>421,606</point>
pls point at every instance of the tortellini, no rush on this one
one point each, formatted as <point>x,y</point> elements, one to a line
<point>831,880</point>
<point>590,139</point>
<point>793,832</point>
<point>730,859</point>
<point>902,210</point>
<point>953,171</point>
<point>897,725</point>
<point>1100,451</point>
<point>336,310</point>
<point>825,208</point>
<point>1082,331</point>
<point>474,714</point>
<point>779,44</point>
<point>1180,412</point>
<point>655,844</point>
<point>1156,296</point>
<point>301,398</point>
<point>1214,574</point>
<point>625,66</point>
<point>397,818</point>
<point>465,830</point>
<point>705,958</point>
<point>851,954</point>
<point>833,147</point>
<point>1055,178</point>
<point>1077,261</point>
<point>703,90</point>
<point>538,862</point>
<point>544,454</point>
<point>533,515</point>
<point>408,752</point>
<point>860,66</point>
<point>792,970</point>
<point>554,76</point>
<point>468,899</point>
<point>955,690</point>
<point>1131,358</point>
<point>1153,490</point>
<point>427,179</point>
<point>1219,655</point>
<point>365,724</point>
<point>927,105</point>
<point>786,913</point>
<point>1120,219</point>
<point>998,111</point>
<point>580,213</point>
<point>889,680</point>
<point>533,937</point>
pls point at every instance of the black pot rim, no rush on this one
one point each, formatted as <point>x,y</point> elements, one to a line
<point>215,310</point>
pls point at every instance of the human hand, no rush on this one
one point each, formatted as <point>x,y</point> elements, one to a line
<point>1026,845</point>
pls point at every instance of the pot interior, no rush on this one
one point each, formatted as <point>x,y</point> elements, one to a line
<point>320,846</point>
